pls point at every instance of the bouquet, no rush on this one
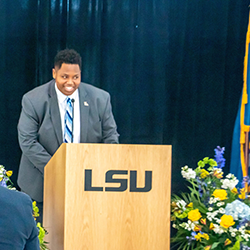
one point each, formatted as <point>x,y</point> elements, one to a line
<point>215,214</point>
<point>5,181</point>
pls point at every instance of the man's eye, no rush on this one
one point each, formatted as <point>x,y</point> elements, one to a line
<point>64,77</point>
<point>75,77</point>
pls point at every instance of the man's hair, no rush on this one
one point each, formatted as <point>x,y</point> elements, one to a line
<point>68,56</point>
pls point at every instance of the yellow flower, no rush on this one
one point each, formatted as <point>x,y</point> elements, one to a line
<point>190,205</point>
<point>205,236</point>
<point>173,218</point>
<point>207,247</point>
<point>242,194</point>
<point>175,208</point>
<point>197,228</point>
<point>218,174</point>
<point>194,215</point>
<point>203,221</point>
<point>204,173</point>
<point>211,227</point>
<point>227,242</point>
<point>220,194</point>
<point>198,237</point>
<point>9,173</point>
<point>227,221</point>
<point>234,190</point>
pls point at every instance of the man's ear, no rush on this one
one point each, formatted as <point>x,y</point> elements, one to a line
<point>54,73</point>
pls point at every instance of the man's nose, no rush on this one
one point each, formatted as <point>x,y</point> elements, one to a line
<point>70,81</point>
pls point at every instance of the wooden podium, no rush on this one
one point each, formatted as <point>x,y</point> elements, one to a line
<point>108,197</point>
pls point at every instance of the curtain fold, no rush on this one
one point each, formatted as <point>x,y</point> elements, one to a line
<point>173,68</point>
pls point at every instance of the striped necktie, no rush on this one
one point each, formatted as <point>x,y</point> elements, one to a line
<point>68,122</point>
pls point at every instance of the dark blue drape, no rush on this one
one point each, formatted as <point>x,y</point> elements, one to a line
<point>173,68</point>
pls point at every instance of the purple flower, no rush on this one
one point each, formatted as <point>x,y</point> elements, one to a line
<point>219,156</point>
<point>243,247</point>
<point>3,183</point>
<point>244,181</point>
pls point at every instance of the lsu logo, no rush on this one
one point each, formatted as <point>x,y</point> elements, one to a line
<point>109,178</point>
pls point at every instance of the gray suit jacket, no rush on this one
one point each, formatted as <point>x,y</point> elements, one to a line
<point>40,133</point>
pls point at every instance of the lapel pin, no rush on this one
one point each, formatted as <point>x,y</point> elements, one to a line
<point>86,104</point>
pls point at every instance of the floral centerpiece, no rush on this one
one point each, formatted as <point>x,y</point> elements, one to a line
<point>214,214</point>
<point>5,181</point>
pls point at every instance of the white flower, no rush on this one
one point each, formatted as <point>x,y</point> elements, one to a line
<point>213,200</point>
<point>218,170</point>
<point>230,176</point>
<point>181,204</point>
<point>218,229</point>
<point>210,209</point>
<point>2,171</point>
<point>219,204</point>
<point>217,220</point>
<point>233,234</point>
<point>188,226</point>
<point>188,173</point>
<point>232,230</point>
<point>229,183</point>
<point>211,215</point>
<point>222,210</point>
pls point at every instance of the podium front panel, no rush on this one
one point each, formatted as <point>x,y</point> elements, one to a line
<point>112,197</point>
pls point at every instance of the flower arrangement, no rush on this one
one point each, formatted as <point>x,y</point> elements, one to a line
<point>5,181</point>
<point>214,214</point>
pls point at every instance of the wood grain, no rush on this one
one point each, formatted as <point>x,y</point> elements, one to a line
<point>90,220</point>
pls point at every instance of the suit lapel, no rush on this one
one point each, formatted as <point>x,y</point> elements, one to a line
<point>84,112</point>
<point>55,113</point>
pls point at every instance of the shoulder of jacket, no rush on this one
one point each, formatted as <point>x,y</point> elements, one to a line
<point>90,89</point>
<point>39,91</point>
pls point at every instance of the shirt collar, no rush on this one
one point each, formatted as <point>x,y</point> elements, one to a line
<point>61,97</point>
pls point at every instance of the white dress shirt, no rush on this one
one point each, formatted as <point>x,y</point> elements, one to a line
<point>62,103</point>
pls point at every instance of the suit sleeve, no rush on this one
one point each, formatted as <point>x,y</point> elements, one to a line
<point>28,127</point>
<point>32,243</point>
<point>109,128</point>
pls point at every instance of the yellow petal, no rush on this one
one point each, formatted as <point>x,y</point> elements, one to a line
<point>207,247</point>
<point>242,196</point>
<point>227,242</point>
<point>197,228</point>
<point>203,221</point>
<point>205,236</point>
<point>9,173</point>
<point>234,190</point>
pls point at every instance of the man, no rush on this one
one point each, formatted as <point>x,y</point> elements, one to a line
<point>18,229</point>
<point>42,129</point>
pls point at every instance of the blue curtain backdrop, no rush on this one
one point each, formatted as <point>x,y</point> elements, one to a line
<point>173,68</point>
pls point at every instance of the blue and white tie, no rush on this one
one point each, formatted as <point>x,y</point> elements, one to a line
<point>68,122</point>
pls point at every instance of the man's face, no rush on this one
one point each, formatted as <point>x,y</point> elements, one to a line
<point>68,78</point>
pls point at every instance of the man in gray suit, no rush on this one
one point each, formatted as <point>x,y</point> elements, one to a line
<point>41,125</point>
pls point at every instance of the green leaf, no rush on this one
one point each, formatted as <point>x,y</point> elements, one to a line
<point>215,244</point>
<point>181,216</point>
<point>206,160</point>
<point>236,246</point>
<point>212,163</point>
<point>201,164</point>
